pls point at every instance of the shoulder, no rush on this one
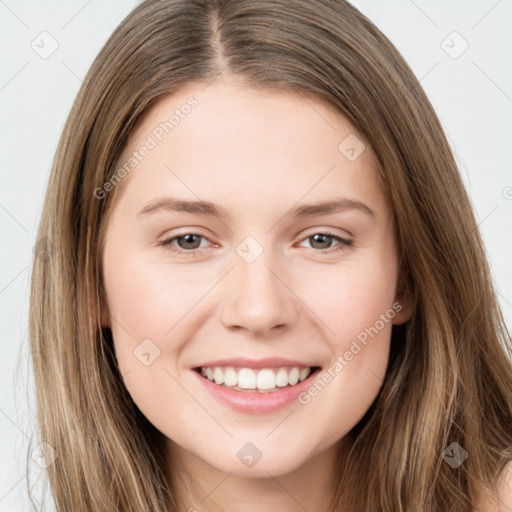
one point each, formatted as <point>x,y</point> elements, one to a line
<point>502,501</point>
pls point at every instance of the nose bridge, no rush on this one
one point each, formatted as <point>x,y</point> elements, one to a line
<point>258,296</point>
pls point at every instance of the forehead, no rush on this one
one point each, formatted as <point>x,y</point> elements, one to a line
<point>226,138</point>
<point>253,117</point>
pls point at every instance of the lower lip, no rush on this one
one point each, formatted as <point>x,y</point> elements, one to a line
<point>254,402</point>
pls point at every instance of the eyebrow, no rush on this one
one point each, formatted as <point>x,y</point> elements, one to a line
<point>211,209</point>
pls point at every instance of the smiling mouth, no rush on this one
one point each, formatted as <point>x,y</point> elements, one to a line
<point>257,380</point>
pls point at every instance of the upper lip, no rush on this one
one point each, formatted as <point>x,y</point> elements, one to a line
<point>268,362</point>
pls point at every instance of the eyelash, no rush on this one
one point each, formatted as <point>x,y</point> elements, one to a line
<point>341,246</point>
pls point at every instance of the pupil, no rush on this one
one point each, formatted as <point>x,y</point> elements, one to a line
<point>321,235</point>
<point>189,240</point>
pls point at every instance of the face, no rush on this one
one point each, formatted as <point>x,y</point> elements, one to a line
<point>254,282</point>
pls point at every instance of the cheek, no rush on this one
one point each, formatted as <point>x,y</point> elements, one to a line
<point>150,306</point>
<point>351,299</point>
<point>147,297</point>
<point>144,305</point>
<point>358,307</point>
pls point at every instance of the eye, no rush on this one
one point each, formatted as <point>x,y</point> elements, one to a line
<point>189,246</point>
<point>188,243</point>
<point>324,238</point>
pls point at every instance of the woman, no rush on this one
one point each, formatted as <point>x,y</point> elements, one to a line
<point>253,371</point>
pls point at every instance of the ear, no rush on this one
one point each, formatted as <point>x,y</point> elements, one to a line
<point>406,299</point>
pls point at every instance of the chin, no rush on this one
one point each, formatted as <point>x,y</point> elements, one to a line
<point>244,464</point>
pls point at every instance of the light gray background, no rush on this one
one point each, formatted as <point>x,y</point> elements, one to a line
<point>472,95</point>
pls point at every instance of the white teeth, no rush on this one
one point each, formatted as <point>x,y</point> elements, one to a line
<point>266,379</point>
<point>218,375</point>
<point>230,377</point>
<point>282,378</point>
<point>262,379</point>
<point>303,374</point>
<point>246,379</point>
<point>293,377</point>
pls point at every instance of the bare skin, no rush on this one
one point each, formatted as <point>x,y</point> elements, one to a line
<point>258,155</point>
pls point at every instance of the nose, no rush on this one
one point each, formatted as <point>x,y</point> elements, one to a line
<point>260,300</point>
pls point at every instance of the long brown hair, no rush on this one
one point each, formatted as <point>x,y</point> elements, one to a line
<point>449,377</point>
